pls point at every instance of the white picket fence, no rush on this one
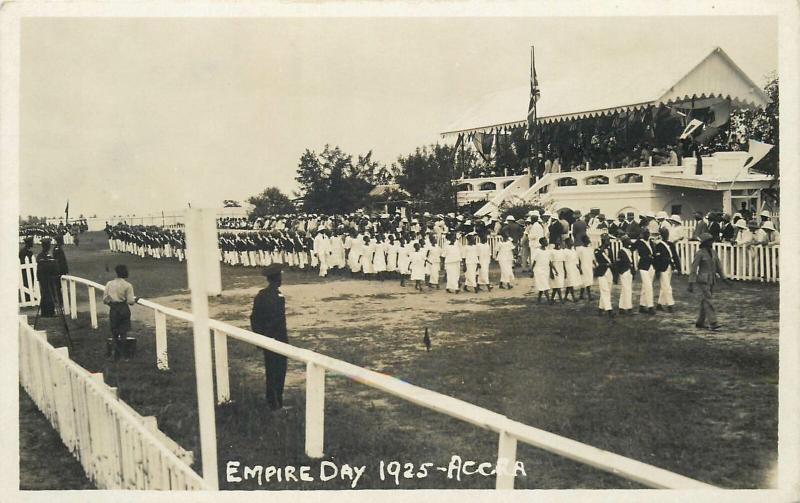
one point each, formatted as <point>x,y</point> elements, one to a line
<point>739,262</point>
<point>118,448</point>
<point>29,293</point>
<point>509,432</point>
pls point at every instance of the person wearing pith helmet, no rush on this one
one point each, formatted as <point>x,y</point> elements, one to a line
<point>703,272</point>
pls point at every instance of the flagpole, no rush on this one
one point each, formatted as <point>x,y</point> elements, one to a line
<point>535,133</point>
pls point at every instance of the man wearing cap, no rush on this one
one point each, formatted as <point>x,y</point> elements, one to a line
<point>617,228</point>
<point>624,269</point>
<point>602,257</point>
<point>727,231</point>
<point>632,229</point>
<point>665,262</point>
<point>700,226</point>
<point>554,230</point>
<point>579,228</point>
<point>535,232</point>
<point>703,272</point>
<point>269,319</point>
<point>646,272</point>
<point>524,245</point>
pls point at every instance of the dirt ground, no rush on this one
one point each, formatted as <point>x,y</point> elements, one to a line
<point>654,388</point>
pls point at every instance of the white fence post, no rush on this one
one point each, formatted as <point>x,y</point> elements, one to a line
<point>506,458</point>
<point>315,410</point>
<point>221,366</point>
<point>93,307</point>
<point>73,300</point>
<point>201,239</point>
<point>65,296</point>
<point>162,357</point>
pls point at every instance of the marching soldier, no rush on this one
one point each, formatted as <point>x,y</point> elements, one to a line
<point>624,269</point>
<point>665,261</point>
<point>645,266</point>
<point>602,270</point>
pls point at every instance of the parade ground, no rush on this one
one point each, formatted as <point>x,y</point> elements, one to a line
<point>650,387</point>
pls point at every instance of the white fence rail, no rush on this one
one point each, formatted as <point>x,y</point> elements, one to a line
<point>29,292</point>
<point>509,432</point>
<point>118,448</point>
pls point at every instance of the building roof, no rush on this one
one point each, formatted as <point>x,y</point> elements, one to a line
<point>668,79</point>
<point>381,190</point>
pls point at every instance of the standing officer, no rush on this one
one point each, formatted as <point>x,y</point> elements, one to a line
<point>269,319</point>
<point>704,271</point>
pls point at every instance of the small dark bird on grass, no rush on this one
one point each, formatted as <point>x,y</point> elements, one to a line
<point>426,340</point>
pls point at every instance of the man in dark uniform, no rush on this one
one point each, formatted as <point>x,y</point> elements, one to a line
<point>47,273</point>
<point>60,256</point>
<point>269,319</point>
<point>26,252</point>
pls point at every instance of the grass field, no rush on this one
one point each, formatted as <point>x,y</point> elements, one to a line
<point>653,388</point>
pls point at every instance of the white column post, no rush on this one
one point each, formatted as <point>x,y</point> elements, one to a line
<point>198,248</point>
<point>221,366</point>
<point>506,458</point>
<point>92,307</point>
<point>65,296</point>
<point>73,299</point>
<point>162,357</point>
<point>315,410</point>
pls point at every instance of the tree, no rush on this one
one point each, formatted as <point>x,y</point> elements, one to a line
<point>762,125</point>
<point>270,202</point>
<point>331,182</point>
<point>230,203</point>
<point>427,175</point>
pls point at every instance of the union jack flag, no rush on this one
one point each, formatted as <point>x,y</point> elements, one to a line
<point>535,93</point>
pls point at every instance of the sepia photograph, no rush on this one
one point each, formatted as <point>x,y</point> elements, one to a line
<point>399,252</point>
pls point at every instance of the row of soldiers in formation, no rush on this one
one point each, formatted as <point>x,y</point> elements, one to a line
<point>39,231</point>
<point>561,264</point>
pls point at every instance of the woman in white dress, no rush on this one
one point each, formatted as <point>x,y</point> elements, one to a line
<point>392,252</point>
<point>452,264</point>
<point>356,249</point>
<point>505,257</point>
<point>404,260</point>
<point>542,269</point>
<point>418,265</point>
<point>586,263</point>
<point>484,261</point>
<point>367,255</point>
<point>471,262</point>
<point>379,258</point>
<point>337,251</point>
<point>573,278</point>
<point>557,282</point>
<point>434,261</point>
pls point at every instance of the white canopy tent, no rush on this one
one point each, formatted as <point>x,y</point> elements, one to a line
<point>680,80</point>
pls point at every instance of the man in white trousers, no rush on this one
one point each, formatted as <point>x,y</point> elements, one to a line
<point>665,261</point>
<point>602,259</point>
<point>644,251</point>
<point>624,268</point>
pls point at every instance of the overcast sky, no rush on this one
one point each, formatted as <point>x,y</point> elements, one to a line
<point>129,116</point>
